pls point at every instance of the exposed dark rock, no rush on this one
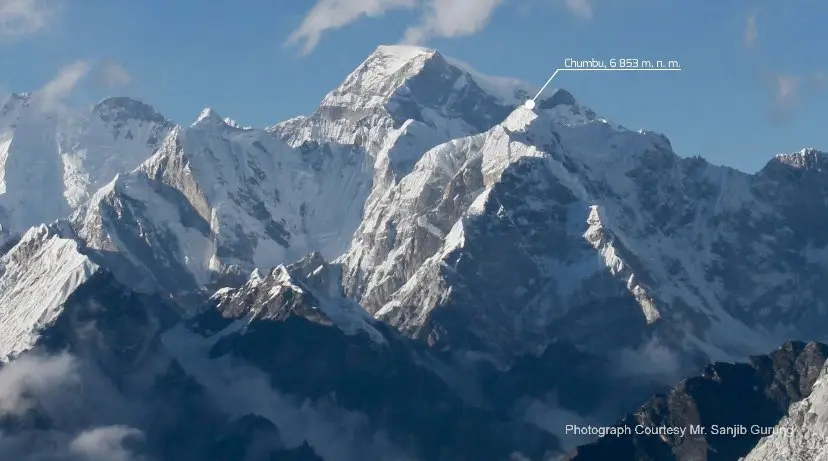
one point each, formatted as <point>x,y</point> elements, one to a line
<point>726,395</point>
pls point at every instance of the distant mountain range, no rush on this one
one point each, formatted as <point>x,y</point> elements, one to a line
<point>422,269</point>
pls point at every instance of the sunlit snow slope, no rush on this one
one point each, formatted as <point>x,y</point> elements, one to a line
<point>53,159</point>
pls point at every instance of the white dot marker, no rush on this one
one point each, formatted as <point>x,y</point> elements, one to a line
<point>530,104</point>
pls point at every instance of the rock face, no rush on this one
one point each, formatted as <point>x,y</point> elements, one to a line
<point>802,435</point>
<point>735,404</point>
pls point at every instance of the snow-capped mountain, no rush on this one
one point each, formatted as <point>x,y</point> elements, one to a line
<point>54,159</point>
<point>341,282</point>
<point>216,201</point>
<point>557,217</point>
<point>406,92</point>
<point>37,277</point>
<point>400,102</point>
<point>215,197</point>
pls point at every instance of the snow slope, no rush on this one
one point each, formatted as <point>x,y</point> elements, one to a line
<point>37,276</point>
<point>449,210</point>
<point>51,160</point>
<point>400,102</point>
<point>503,240</point>
<point>216,201</point>
<point>431,181</point>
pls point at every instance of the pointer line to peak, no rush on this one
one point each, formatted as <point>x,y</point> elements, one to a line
<point>599,70</point>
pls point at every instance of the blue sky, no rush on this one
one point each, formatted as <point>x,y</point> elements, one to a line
<point>754,79</point>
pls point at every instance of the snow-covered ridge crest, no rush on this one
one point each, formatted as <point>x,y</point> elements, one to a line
<point>398,85</point>
<point>216,199</point>
<point>122,109</point>
<point>384,74</point>
<point>208,116</point>
<point>397,105</point>
<point>807,158</point>
<point>589,214</point>
<point>51,162</point>
<point>375,81</point>
<point>294,289</point>
<point>37,276</point>
<point>408,223</point>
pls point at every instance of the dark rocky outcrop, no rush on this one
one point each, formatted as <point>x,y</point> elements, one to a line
<point>726,395</point>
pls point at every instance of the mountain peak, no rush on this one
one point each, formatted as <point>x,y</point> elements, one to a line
<point>380,76</point>
<point>805,159</point>
<point>392,71</point>
<point>416,83</point>
<point>403,49</point>
<point>394,57</point>
<point>209,116</point>
<point>122,108</point>
<point>25,96</point>
<point>14,102</point>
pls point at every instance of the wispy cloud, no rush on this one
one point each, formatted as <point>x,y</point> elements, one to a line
<point>751,34</point>
<point>438,18</point>
<point>52,94</point>
<point>820,81</point>
<point>582,8</point>
<point>786,94</point>
<point>791,89</point>
<point>32,381</point>
<point>114,75</point>
<point>20,18</point>
<point>61,389</point>
<point>451,18</point>
<point>334,14</point>
<point>107,74</point>
<point>105,444</point>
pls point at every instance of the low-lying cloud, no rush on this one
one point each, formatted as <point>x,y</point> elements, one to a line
<point>106,444</point>
<point>47,413</point>
<point>334,433</point>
